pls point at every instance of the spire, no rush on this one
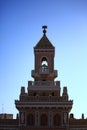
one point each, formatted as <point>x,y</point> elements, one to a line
<point>44,29</point>
<point>44,42</point>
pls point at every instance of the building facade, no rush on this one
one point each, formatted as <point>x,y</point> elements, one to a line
<point>42,106</point>
<point>6,116</point>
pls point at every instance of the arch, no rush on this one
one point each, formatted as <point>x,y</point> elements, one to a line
<point>44,65</point>
<point>57,120</point>
<point>30,120</point>
<point>44,120</point>
<point>44,61</point>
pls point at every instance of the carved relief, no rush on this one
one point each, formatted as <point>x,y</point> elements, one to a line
<point>65,117</point>
<point>22,117</point>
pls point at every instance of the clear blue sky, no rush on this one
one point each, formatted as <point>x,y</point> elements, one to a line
<point>20,30</point>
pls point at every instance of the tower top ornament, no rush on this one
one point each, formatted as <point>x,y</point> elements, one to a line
<point>44,29</point>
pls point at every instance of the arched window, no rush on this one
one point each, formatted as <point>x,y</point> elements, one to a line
<point>44,61</point>
<point>44,120</point>
<point>30,120</point>
<point>57,120</point>
<point>52,93</point>
<point>44,64</point>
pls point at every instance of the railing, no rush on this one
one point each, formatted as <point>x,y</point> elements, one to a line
<point>41,98</point>
<point>46,83</point>
<point>43,71</point>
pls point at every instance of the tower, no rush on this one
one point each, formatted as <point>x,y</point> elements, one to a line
<point>44,53</point>
<point>42,106</point>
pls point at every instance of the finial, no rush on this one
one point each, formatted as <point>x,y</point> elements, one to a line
<point>44,31</point>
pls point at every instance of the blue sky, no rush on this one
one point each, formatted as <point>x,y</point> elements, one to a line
<point>21,28</point>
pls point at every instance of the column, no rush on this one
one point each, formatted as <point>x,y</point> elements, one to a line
<point>65,119</point>
<point>50,120</point>
<point>22,118</point>
<point>37,118</point>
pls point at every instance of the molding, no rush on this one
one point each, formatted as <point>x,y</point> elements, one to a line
<point>44,104</point>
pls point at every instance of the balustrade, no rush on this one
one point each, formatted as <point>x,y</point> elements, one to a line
<point>41,98</point>
<point>41,83</point>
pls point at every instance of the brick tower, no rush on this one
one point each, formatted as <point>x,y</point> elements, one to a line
<point>42,106</point>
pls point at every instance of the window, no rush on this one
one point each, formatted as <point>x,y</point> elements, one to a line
<point>52,93</point>
<point>30,120</point>
<point>44,61</point>
<point>44,65</point>
<point>35,94</point>
<point>44,120</point>
<point>57,120</point>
